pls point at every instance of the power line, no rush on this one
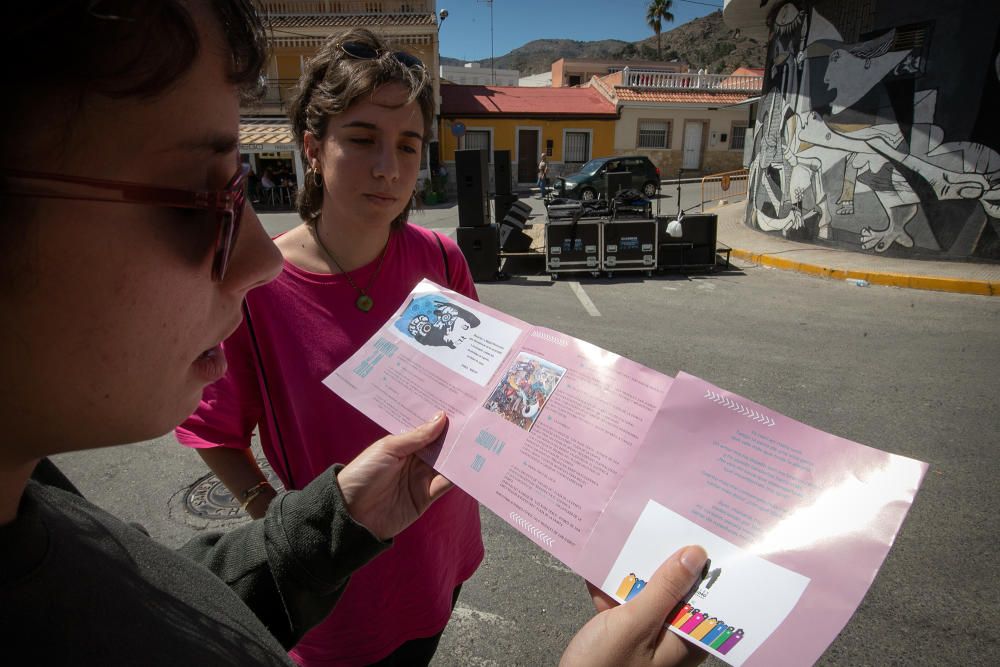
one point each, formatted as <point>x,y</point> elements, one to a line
<point>695,2</point>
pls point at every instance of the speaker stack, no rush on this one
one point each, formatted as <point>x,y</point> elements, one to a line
<point>512,236</point>
<point>502,178</point>
<point>504,195</point>
<point>479,245</point>
<point>472,177</point>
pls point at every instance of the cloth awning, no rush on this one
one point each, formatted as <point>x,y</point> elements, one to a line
<point>266,137</point>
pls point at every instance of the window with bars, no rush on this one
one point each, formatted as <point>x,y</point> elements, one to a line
<point>577,148</point>
<point>478,139</point>
<point>738,137</point>
<point>654,134</point>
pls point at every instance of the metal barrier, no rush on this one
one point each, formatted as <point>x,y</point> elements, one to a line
<point>724,185</point>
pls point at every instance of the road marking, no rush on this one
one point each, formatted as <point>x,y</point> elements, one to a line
<point>470,614</point>
<point>588,305</point>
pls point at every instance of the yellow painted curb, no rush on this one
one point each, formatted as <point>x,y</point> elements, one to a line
<point>936,283</point>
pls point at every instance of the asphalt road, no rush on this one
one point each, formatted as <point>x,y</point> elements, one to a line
<point>911,372</point>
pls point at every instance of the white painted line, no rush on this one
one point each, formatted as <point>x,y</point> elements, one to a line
<point>588,305</point>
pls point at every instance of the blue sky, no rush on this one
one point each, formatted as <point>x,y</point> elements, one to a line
<point>465,34</point>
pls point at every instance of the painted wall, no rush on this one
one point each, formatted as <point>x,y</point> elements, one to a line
<point>879,127</point>
<point>717,156</point>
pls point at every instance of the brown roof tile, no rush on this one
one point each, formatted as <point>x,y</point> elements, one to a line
<point>482,100</point>
<point>679,97</point>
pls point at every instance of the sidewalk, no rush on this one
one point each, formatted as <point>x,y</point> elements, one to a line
<point>771,250</point>
<point>756,247</point>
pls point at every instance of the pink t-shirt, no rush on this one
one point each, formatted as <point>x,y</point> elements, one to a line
<point>306,325</point>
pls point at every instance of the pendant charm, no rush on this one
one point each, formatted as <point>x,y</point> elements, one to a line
<point>364,303</point>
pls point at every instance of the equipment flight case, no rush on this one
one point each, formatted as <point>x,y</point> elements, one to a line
<point>573,244</point>
<point>629,245</point>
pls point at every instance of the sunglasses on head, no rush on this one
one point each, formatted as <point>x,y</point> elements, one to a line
<point>362,51</point>
<point>226,205</point>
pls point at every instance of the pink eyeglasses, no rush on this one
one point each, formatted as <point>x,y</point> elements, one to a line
<point>226,205</point>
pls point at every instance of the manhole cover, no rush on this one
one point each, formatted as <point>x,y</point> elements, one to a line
<point>208,498</point>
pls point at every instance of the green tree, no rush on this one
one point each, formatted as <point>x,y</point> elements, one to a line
<point>657,12</point>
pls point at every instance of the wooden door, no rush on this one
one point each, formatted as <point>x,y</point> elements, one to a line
<point>527,156</point>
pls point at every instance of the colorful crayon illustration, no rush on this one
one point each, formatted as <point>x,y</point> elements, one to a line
<point>693,622</point>
<point>721,639</point>
<point>636,589</point>
<point>719,628</point>
<point>684,619</point>
<point>686,609</point>
<point>704,627</point>
<point>733,640</point>
<point>626,585</point>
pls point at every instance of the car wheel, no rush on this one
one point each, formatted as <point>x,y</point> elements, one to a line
<point>588,194</point>
<point>649,189</point>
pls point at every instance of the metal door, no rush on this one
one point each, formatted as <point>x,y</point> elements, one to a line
<point>692,145</point>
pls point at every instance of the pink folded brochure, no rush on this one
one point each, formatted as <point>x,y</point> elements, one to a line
<point>611,467</point>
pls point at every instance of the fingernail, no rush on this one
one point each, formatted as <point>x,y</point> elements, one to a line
<point>693,559</point>
<point>436,418</point>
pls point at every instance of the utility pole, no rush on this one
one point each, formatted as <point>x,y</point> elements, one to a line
<point>493,72</point>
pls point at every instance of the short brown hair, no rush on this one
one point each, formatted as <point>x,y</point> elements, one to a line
<point>333,80</point>
<point>118,49</point>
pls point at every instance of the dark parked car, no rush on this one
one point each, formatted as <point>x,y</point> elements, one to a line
<point>588,183</point>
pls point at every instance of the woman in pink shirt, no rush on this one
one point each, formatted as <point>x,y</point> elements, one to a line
<point>361,117</point>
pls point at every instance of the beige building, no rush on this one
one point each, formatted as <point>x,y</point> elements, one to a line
<point>570,72</point>
<point>685,122</point>
<point>474,74</point>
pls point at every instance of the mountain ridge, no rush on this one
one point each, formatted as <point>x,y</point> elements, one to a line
<point>704,43</point>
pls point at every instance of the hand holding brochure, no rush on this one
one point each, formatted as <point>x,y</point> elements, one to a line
<point>611,466</point>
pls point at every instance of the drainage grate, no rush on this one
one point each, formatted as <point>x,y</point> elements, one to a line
<point>208,498</point>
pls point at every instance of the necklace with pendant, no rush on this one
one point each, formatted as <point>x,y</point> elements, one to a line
<point>364,302</point>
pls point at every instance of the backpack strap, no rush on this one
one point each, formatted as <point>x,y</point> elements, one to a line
<point>444,256</point>
<point>279,442</point>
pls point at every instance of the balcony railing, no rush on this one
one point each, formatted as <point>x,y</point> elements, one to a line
<point>691,81</point>
<point>292,7</point>
<point>277,93</point>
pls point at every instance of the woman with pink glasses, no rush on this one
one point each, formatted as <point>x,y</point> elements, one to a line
<point>127,249</point>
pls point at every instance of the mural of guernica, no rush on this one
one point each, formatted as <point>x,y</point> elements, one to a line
<point>852,143</point>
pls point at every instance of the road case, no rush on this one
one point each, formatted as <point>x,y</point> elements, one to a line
<point>629,245</point>
<point>573,246</point>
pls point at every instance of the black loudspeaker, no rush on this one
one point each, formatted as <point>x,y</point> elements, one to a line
<point>615,181</point>
<point>502,204</point>
<point>481,248</point>
<point>512,239</point>
<point>502,182</point>
<point>472,176</point>
<point>518,213</point>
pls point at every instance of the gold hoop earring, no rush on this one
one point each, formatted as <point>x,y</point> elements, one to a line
<point>317,179</point>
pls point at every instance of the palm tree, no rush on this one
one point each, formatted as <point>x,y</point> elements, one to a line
<point>657,12</point>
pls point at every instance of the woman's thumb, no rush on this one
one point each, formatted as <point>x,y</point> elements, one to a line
<point>669,585</point>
